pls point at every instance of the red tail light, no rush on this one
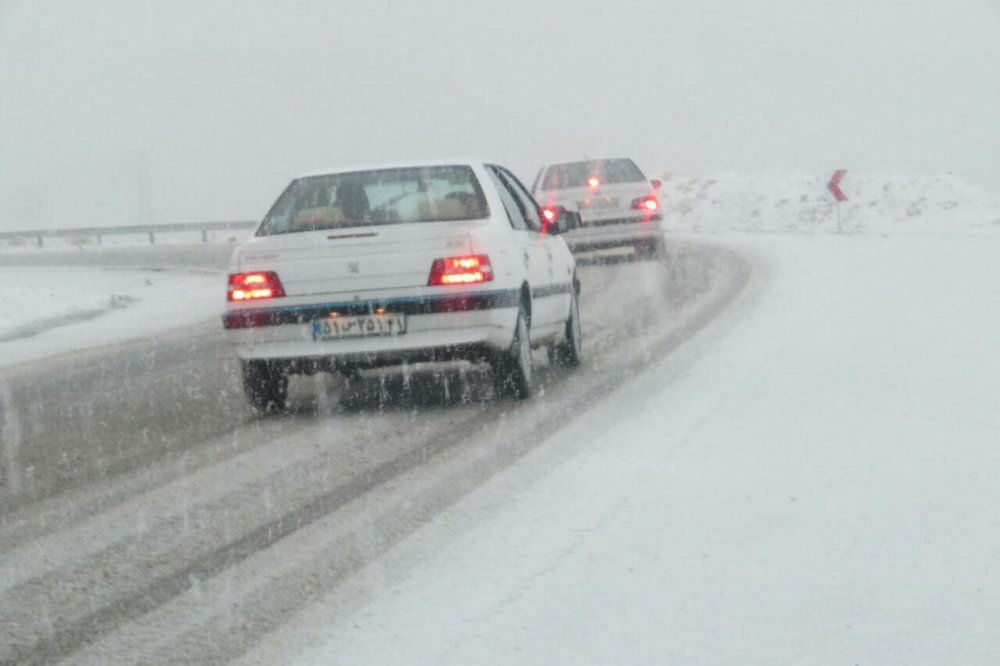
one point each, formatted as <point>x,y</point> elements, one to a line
<point>461,270</point>
<point>593,183</point>
<point>549,215</point>
<point>649,204</point>
<point>254,286</point>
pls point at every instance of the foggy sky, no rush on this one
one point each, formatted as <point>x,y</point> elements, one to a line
<point>131,111</point>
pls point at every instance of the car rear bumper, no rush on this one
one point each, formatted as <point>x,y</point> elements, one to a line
<point>613,233</point>
<point>433,336</point>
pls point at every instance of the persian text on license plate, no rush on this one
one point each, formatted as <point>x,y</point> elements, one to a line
<point>335,328</point>
<point>599,203</point>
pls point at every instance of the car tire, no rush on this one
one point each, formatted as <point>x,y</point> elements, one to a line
<point>567,353</point>
<point>266,386</point>
<point>649,248</point>
<point>349,373</point>
<point>513,374</point>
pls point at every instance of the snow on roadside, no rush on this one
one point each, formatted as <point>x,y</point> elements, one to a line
<point>812,481</point>
<point>800,202</point>
<point>49,310</point>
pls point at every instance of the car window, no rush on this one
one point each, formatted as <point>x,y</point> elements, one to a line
<point>538,178</point>
<point>525,202</point>
<point>383,196</point>
<point>514,209</point>
<point>575,174</point>
<point>532,213</point>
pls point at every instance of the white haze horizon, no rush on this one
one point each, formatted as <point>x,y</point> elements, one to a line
<point>118,112</point>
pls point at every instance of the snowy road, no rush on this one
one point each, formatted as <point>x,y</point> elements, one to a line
<point>792,460</point>
<point>810,480</point>
<point>147,516</point>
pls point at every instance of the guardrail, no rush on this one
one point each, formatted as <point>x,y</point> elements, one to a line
<point>39,235</point>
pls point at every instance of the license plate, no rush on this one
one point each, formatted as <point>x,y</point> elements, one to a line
<point>360,326</point>
<point>600,203</point>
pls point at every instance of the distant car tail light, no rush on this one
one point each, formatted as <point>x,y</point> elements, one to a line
<point>593,183</point>
<point>254,286</point>
<point>461,270</point>
<point>549,214</point>
<point>648,204</point>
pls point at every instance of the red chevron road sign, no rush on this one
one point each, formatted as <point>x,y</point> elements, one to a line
<point>834,185</point>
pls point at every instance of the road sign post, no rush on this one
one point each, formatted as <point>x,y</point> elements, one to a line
<point>834,187</point>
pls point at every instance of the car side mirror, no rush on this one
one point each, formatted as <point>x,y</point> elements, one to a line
<point>570,220</point>
<point>558,220</point>
<point>656,183</point>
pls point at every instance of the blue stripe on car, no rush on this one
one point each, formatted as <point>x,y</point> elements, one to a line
<point>552,289</point>
<point>412,305</point>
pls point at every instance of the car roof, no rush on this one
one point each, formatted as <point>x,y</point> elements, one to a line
<point>396,165</point>
<point>590,159</point>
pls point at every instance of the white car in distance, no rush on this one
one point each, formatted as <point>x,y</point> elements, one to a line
<point>618,205</point>
<point>379,266</point>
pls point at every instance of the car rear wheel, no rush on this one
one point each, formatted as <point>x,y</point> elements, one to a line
<point>266,386</point>
<point>568,352</point>
<point>512,369</point>
<point>649,248</point>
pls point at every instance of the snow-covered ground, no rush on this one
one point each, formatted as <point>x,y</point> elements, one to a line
<point>813,479</point>
<point>800,203</point>
<point>50,310</point>
<point>809,479</point>
<point>73,294</point>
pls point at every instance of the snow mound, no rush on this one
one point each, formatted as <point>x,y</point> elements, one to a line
<point>801,202</point>
<point>49,310</point>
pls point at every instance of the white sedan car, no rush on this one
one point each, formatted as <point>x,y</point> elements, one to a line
<point>370,267</point>
<point>618,205</point>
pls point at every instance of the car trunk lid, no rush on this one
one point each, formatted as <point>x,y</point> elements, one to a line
<point>358,259</point>
<point>609,201</point>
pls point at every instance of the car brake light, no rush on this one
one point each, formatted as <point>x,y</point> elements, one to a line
<point>593,182</point>
<point>461,270</point>
<point>254,286</point>
<point>549,214</point>
<point>649,203</point>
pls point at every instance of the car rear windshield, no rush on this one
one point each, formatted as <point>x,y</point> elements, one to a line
<point>383,196</point>
<point>575,174</point>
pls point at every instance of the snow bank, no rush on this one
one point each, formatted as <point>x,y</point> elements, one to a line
<point>48,310</point>
<point>800,202</point>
